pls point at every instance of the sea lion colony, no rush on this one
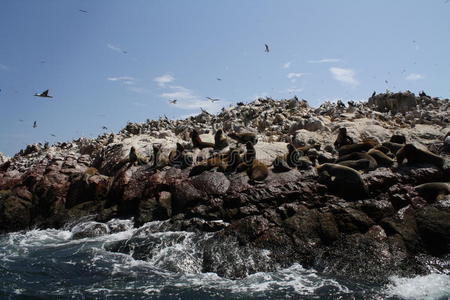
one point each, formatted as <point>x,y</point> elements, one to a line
<point>341,174</point>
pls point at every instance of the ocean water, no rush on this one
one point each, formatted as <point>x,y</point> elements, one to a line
<point>50,264</point>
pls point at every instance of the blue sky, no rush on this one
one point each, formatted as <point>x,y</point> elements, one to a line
<point>123,60</point>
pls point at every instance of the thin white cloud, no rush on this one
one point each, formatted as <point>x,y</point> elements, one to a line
<point>294,90</point>
<point>415,76</point>
<point>324,60</point>
<point>287,65</point>
<point>3,67</point>
<point>116,48</point>
<point>344,75</point>
<point>121,78</point>
<point>164,79</point>
<point>293,76</point>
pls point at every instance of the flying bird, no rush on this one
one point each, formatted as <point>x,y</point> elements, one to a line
<point>267,48</point>
<point>84,11</point>
<point>34,124</point>
<point>52,134</point>
<point>386,81</point>
<point>104,128</point>
<point>212,99</point>
<point>219,79</point>
<point>43,94</point>
<point>174,101</point>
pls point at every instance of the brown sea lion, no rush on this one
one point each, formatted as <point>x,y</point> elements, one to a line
<point>359,155</point>
<point>359,147</point>
<point>293,156</point>
<point>178,158</point>
<point>244,137</point>
<point>198,143</point>
<point>342,139</point>
<point>136,159</point>
<point>233,160</point>
<point>415,155</point>
<point>433,191</point>
<point>250,154</point>
<point>398,139</point>
<point>360,164</point>
<point>344,181</point>
<point>257,171</point>
<point>220,141</point>
<point>280,164</point>
<point>383,149</point>
<point>382,159</point>
<point>393,147</point>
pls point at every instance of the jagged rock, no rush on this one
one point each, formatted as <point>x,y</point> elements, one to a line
<point>394,102</point>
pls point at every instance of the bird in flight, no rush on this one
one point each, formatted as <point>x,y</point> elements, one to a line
<point>174,101</point>
<point>104,128</point>
<point>52,134</point>
<point>219,79</point>
<point>386,81</point>
<point>212,99</point>
<point>34,124</point>
<point>43,94</point>
<point>84,11</point>
<point>267,48</point>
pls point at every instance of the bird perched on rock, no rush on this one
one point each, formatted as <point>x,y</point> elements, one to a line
<point>44,94</point>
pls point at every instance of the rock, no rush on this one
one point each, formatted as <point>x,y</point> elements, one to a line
<point>89,230</point>
<point>214,183</point>
<point>394,102</point>
<point>434,229</point>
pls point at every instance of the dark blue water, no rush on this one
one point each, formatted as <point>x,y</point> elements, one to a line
<point>50,264</point>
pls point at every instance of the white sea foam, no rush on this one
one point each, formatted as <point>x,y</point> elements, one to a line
<point>432,286</point>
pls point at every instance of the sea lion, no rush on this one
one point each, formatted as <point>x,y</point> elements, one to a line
<point>136,159</point>
<point>198,143</point>
<point>383,149</point>
<point>359,147</point>
<point>280,165</point>
<point>342,139</point>
<point>393,147</point>
<point>293,156</point>
<point>257,171</point>
<point>244,137</point>
<point>220,141</point>
<point>250,154</point>
<point>178,158</point>
<point>398,139</point>
<point>433,191</point>
<point>382,159</point>
<point>357,156</point>
<point>345,182</point>
<point>233,160</point>
<point>359,164</point>
<point>415,155</point>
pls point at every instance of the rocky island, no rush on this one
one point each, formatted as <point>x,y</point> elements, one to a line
<point>366,215</point>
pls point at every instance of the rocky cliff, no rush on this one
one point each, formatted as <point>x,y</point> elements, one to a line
<point>294,216</point>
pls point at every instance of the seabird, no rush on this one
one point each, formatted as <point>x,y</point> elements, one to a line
<point>267,48</point>
<point>83,11</point>
<point>212,99</point>
<point>219,79</point>
<point>34,124</point>
<point>43,94</point>
<point>104,128</point>
<point>52,134</point>
<point>174,101</point>
<point>386,81</point>
<point>374,93</point>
